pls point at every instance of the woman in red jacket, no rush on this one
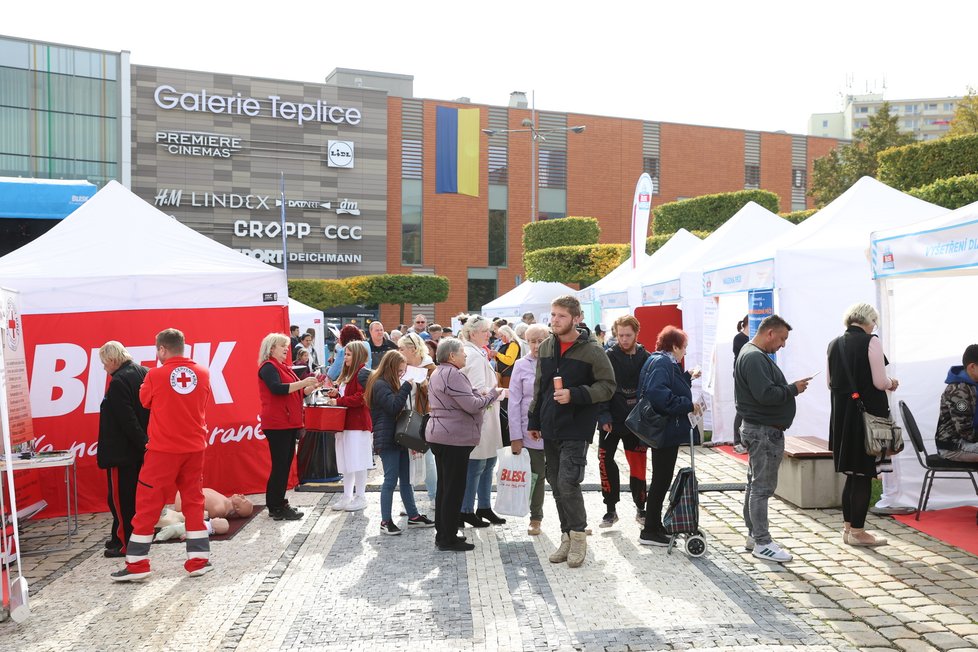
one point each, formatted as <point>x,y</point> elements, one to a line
<point>354,445</point>
<point>281,394</point>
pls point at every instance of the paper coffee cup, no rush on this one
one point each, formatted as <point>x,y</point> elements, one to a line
<point>558,382</point>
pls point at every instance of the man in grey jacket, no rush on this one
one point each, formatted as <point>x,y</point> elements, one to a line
<point>766,402</point>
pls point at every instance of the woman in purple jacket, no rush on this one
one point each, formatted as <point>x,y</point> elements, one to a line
<point>453,431</point>
<point>520,395</point>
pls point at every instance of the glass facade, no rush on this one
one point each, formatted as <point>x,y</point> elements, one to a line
<point>59,112</point>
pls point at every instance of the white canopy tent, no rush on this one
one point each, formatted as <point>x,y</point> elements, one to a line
<point>306,317</point>
<point>528,296</point>
<point>119,269</point>
<point>927,274</point>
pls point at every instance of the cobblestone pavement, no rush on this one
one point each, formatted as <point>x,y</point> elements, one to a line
<point>332,582</point>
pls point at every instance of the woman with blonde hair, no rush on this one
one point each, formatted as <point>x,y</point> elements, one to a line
<point>281,392</point>
<point>415,352</point>
<point>386,395</point>
<point>354,444</point>
<point>482,459</point>
<point>510,350</point>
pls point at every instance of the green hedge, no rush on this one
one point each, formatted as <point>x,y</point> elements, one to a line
<point>708,212</point>
<point>797,217</point>
<point>582,264</point>
<point>370,290</point>
<point>654,242</point>
<point>562,232</point>
<point>920,164</point>
<point>950,193</point>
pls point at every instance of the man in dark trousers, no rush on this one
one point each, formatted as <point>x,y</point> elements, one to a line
<point>176,393</point>
<point>766,401</point>
<point>121,440</point>
<point>627,358</point>
<point>565,413</point>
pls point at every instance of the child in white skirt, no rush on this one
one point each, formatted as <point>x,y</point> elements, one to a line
<point>354,444</point>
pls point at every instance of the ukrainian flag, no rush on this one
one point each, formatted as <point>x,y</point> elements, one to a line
<point>457,151</point>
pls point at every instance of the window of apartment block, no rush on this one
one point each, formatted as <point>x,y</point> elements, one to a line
<point>799,178</point>
<point>862,109</point>
<point>498,232</point>
<point>411,222</point>
<point>481,288</point>
<point>752,176</point>
<point>909,124</point>
<point>650,165</point>
<point>931,107</point>
<point>825,123</point>
<point>949,106</point>
<point>909,108</point>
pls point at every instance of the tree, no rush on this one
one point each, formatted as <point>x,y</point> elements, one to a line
<point>965,120</point>
<point>835,173</point>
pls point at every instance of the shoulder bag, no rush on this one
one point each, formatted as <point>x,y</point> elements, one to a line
<point>409,430</point>
<point>882,435</point>
<point>647,424</point>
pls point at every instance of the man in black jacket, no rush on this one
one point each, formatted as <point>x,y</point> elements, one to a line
<point>565,414</point>
<point>121,440</point>
<point>627,358</point>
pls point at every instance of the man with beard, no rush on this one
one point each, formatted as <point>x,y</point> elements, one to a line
<point>573,378</point>
<point>627,358</point>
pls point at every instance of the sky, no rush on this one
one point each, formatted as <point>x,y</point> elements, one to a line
<point>750,65</point>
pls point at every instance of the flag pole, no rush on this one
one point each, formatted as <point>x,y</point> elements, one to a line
<point>285,252</point>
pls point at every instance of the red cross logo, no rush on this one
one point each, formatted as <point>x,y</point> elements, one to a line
<point>183,380</point>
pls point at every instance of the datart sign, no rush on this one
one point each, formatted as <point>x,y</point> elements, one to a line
<point>272,106</point>
<point>194,143</point>
<point>274,256</point>
<point>177,198</point>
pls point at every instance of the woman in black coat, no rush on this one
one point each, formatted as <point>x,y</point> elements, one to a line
<point>667,388</point>
<point>861,350</point>
<point>739,340</point>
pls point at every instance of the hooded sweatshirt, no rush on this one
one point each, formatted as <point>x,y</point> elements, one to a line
<point>958,421</point>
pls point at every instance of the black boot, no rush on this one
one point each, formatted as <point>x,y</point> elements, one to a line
<point>474,520</point>
<point>490,516</point>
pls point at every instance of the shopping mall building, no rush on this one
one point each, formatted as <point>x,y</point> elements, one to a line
<point>356,158</point>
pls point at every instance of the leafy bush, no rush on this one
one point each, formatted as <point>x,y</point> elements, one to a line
<point>950,193</point>
<point>370,290</point>
<point>582,264</point>
<point>654,242</point>
<point>708,212</point>
<point>321,293</point>
<point>562,232</point>
<point>797,217</point>
<point>920,164</point>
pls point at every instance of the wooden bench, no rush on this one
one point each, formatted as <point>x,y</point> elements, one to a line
<point>807,476</point>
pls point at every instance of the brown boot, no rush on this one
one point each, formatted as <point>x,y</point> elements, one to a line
<point>534,528</point>
<point>578,549</point>
<point>860,537</point>
<point>560,555</point>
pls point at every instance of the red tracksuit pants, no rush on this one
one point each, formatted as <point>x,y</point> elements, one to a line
<point>161,473</point>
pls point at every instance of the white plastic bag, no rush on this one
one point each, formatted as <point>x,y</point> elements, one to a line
<point>418,472</point>
<point>512,483</point>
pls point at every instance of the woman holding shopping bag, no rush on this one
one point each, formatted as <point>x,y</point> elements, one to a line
<point>354,445</point>
<point>520,395</point>
<point>454,429</point>
<point>415,352</point>
<point>482,460</point>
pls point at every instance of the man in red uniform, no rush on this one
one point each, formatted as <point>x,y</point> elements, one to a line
<point>176,394</point>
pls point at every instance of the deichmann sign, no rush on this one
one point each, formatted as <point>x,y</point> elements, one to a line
<point>194,143</point>
<point>274,256</point>
<point>168,98</point>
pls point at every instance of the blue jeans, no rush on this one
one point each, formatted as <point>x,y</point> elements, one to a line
<point>397,470</point>
<point>765,450</point>
<point>430,475</point>
<point>478,479</point>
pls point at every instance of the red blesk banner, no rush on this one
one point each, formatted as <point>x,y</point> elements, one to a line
<point>67,384</point>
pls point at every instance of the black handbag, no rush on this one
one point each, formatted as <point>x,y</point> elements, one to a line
<point>645,423</point>
<point>409,431</point>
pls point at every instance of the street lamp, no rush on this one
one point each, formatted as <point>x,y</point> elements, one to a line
<point>530,127</point>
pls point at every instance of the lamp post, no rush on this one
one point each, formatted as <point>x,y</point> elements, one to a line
<point>529,125</point>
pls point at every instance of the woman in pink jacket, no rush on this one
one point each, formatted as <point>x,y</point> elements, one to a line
<point>453,431</point>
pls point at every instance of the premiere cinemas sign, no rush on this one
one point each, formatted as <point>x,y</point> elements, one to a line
<point>169,98</point>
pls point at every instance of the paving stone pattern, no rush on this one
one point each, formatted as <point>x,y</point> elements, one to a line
<point>332,582</point>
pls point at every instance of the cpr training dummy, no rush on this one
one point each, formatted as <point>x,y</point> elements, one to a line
<point>218,508</point>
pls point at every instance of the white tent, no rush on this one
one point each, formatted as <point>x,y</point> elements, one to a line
<point>820,276</point>
<point>928,274</point>
<point>528,296</point>
<point>306,317</point>
<point>119,269</point>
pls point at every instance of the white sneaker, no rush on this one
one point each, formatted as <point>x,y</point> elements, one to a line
<point>340,505</point>
<point>358,503</point>
<point>749,544</point>
<point>771,552</point>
